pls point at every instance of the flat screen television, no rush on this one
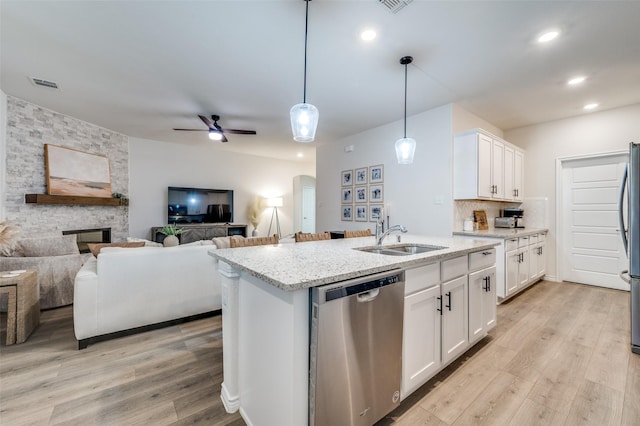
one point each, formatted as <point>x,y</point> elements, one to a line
<point>198,205</point>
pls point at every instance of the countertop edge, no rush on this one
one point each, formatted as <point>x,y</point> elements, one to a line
<point>502,233</point>
<point>404,262</point>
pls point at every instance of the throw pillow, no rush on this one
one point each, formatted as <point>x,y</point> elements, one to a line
<point>96,247</point>
<point>147,243</point>
<point>47,246</point>
<point>8,237</point>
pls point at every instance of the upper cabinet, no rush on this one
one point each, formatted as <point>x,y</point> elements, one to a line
<point>486,167</point>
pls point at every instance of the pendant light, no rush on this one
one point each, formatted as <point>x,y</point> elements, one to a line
<point>405,147</point>
<point>304,116</point>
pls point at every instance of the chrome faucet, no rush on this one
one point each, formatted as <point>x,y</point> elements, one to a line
<point>380,236</point>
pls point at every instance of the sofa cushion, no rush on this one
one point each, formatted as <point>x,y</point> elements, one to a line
<point>47,246</point>
<point>197,243</point>
<point>96,247</point>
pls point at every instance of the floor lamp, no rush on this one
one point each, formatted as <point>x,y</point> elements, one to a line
<point>275,203</point>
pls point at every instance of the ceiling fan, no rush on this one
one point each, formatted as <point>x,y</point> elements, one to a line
<point>216,132</point>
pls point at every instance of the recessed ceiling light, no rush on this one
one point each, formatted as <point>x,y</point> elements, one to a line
<point>576,80</point>
<point>300,155</point>
<point>548,36</point>
<point>368,35</point>
<point>591,106</point>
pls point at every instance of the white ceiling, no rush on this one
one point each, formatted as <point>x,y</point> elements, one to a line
<point>144,67</point>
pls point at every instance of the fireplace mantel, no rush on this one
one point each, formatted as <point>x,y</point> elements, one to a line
<point>71,199</point>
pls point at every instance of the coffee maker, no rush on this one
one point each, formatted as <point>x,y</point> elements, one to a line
<point>511,218</point>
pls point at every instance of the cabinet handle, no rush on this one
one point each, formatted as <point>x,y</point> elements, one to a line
<point>487,281</point>
<point>440,308</point>
<point>449,296</point>
<point>486,253</point>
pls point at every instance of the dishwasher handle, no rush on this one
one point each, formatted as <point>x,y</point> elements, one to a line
<point>368,296</point>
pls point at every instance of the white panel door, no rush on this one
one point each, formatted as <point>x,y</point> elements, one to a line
<point>593,252</point>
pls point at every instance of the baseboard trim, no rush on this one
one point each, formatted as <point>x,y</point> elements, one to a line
<point>231,403</point>
<point>84,343</point>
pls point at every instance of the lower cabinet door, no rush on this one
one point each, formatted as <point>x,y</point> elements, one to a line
<point>455,322</point>
<point>523,267</point>
<point>511,275</point>
<point>489,301</point>
<point>482,303</point>
<point>421,339</point>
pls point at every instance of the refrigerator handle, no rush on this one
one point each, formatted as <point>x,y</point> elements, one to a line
<point>623,233</point>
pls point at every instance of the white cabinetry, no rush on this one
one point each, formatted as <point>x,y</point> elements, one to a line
<point>486,167</point>
<point>482,303</point>
<point>518,174</point>
<point>455,337</point>
<point>422,325</point>
<point>513,173</point>
<point>520,262</point>
<point>437,306</point>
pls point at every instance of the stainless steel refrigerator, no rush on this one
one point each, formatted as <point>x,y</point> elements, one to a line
<point>631,237</point>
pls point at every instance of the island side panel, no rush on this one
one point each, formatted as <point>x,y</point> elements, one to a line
<point>273,332</point>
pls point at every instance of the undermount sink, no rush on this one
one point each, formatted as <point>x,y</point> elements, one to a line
<point>416,248</point>
<point>388,252</point>
<point>402,250</point>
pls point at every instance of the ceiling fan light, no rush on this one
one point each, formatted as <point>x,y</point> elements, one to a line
<point>304,121</point>
<point>215,136</point>
<point>405,150</point>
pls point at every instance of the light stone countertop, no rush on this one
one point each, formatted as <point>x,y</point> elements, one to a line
<point>296,266</point>
<point>502,233</point>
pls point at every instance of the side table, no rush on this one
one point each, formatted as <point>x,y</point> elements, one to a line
<point>23,309</point>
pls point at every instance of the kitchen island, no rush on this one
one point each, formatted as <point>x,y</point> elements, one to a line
<point>266,312</point>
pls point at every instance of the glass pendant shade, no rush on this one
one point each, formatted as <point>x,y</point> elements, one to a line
<point>405,149</point>
<point>304,121</point>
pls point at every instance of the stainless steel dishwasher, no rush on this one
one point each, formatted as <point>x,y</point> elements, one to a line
<point>356,350</point>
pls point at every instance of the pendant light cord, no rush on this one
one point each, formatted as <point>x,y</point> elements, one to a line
<point>405,101</point>
<point>306,29</point>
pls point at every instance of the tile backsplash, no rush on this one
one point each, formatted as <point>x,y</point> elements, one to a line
<point>535,211</point>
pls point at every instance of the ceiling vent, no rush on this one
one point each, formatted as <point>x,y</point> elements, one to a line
<point>45,83</point>
<point>394,5</point>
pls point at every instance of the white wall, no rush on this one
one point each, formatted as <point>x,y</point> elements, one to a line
<point>419,194</point>
<point>593,133</point>
<point>153,166</point>
<point>464,120</point>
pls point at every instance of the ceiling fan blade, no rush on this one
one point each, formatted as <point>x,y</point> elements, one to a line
<point>240,132</point>
<point>206,121</point>
<point>224,138</point>
<point>193,130</point>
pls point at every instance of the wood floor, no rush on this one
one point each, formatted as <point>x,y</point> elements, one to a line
<point>559,356</point>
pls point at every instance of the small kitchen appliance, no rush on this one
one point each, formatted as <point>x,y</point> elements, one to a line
<point>511,218</point>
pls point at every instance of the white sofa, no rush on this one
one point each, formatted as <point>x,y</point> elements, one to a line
<point>126,288</point>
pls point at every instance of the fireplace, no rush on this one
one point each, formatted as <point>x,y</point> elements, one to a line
<point>87,236</point>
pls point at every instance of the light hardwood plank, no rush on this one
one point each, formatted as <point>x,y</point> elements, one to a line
<point>596,404</point>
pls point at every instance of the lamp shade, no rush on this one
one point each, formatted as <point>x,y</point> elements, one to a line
<point>304,121</point>
<point>274,202</point>
<point>405,149</point>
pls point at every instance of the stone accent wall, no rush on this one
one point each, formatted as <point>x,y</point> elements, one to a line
<point>29,128</point>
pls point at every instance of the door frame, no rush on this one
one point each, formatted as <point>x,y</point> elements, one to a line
<point>560,166</point>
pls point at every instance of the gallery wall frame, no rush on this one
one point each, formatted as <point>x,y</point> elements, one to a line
<point>361,213</point>
<point>72,172</point>
<point>361,176</point>
<point>347,177</point>
<point>347,212</point>
<point>375,210</point>
<point>376,174</point>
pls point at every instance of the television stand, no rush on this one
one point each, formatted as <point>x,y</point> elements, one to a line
<point>201,231</point>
